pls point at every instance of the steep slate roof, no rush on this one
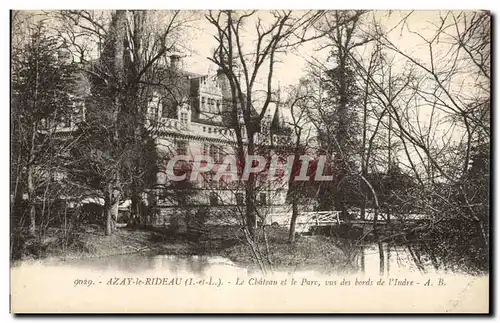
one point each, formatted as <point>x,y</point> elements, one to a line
<point>278,126</point>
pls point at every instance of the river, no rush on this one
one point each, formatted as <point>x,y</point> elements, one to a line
<point>366,259</point>
<point>152,283</point>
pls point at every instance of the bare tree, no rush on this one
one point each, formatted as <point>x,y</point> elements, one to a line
<point>300,99</point>
<point>245,67</point>
<point>131,46</point>
<point>437,102</point>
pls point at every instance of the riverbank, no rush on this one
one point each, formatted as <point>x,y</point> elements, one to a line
<point>90,242</point>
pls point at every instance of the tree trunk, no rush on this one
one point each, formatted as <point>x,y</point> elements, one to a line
<point>295,214</point>
<point>362,259</point>
<point>250,216</point>
<point>111,216</point>
<point>111,210</point>
<point>109,219</point>
<point>363,209</point>
<point>135,209</point>
<point>388,259</point>
<point>31,198</point>
<point>108,229</point>
<point>32,226</point>
<point>381,256</point>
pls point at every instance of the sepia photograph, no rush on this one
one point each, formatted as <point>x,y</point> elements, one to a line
<point>250,161</point>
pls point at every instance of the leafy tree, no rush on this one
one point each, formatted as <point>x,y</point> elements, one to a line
<point>132,44</point>
<point>43,85</point>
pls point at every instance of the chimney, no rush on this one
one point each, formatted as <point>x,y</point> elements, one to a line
<point>175,60</point>
<point>223,82</point>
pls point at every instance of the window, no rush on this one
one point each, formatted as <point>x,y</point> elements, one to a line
<point>216,153</point>
<point>65,121</point>
<point>209,130</point>
<point>263,198</point>
<point>182,148</point>
<point>205,149</point>
<point>58,176</point>
<point>221,155</point>
<point>204,129</point>
<point>206,179</point>
<point>211,107</point>
<point>213,152</point>
<point>214,199</point>
<point>184,117</point>
<point>240,199</point>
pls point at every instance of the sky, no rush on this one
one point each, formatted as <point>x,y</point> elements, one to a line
<point>420,24</point>
<point>288,71</point>
<point>293,64</point>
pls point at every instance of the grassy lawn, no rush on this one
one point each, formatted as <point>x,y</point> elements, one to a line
<point>313,252</point>
<point>307,253</point>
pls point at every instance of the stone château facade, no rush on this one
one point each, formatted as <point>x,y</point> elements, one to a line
<point>195,121</point>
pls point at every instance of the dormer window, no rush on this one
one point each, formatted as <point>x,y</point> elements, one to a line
<point>184,117</point>
<point>211,105</point>
<point>65,121</point>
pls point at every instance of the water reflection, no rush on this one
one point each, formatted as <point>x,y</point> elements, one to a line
<point>394,260</point>
<point>384,258</point>
<point>367,259</point>
<point>143,262</point>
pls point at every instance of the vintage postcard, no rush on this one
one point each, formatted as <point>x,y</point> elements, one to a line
<point>256,161</point>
